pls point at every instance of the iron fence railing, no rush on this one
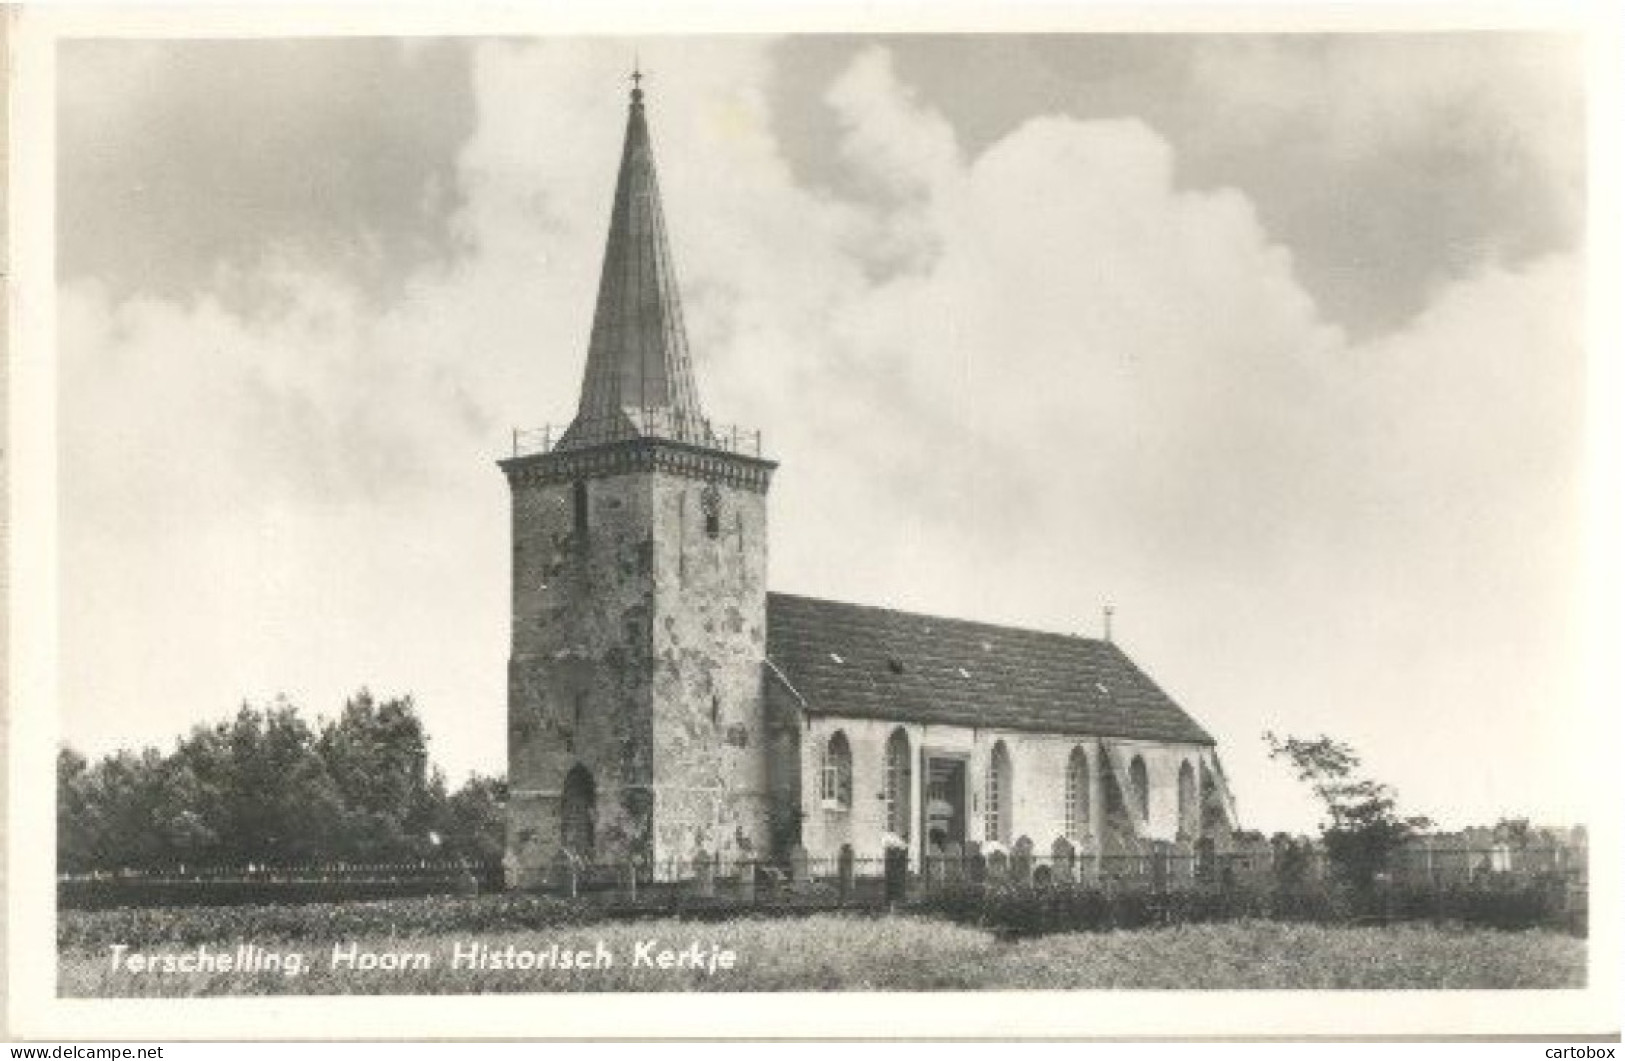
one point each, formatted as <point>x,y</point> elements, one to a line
<point>314,871</point>
<point>653,423</point>
<point>803,880</point>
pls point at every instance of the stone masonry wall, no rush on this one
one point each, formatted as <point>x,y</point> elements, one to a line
<point>1038,782</point>
<point>579,676</point>
<point>710,633</point>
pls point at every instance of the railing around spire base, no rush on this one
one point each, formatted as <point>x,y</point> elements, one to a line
<point>528,442</point>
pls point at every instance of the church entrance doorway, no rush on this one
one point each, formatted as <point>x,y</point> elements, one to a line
<point>944,803</point>
<point>577,814</point>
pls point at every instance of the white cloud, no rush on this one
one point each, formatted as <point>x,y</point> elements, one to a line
<point>1011,386</point>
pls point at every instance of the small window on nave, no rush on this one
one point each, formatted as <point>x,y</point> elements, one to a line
<point>836,790</point>
<point>1077,795</point>
<point>899,785</point>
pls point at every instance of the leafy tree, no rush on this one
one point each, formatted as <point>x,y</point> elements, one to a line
<point>75,845</point>
<point>377,756</point>
<point>1364,827</point>
<point>471,823</point>
<point>264,787</point>
<point>258,786</point>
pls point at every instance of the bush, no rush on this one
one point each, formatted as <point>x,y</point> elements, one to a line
<point>1511,905</point>
<point>1015,911</point>
<point>192,925</point>
<point>105,893</point>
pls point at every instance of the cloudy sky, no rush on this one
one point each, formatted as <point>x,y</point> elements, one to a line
<point>1273,342</point>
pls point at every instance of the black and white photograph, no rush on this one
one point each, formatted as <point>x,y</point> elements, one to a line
<point>922,511</point>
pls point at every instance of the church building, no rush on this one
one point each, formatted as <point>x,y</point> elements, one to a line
<point>664,705</point>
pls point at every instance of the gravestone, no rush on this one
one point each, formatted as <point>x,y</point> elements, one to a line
<point>1088,861</point>
<point>798,865</point>
<point>1021,861</point>
<point>896,874</point>
<point>953,862</point>
<point>1062,860</point>
<point>931,867</point>
<point>975,863</point>
<point>705,883</point>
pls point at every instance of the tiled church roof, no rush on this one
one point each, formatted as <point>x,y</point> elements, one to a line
<point>847,659</point>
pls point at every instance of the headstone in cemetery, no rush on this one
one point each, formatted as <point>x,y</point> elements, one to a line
<point>1063,860</point>
<point>1021,861</point>
<point>705,871</point>
<point>953,862</point>
<point>975,863</point>
<point>1089,859</point>
<point>896,874</point>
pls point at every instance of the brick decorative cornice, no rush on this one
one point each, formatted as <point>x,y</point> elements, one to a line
<point>640,455</point>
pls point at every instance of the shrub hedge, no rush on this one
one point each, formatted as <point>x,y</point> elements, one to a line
<point>505,912</point>
<point>191,925</point>
<point>110,892</point>
<point>1016,911</point>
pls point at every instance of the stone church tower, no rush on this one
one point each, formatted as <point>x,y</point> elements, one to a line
<point>635,725</point>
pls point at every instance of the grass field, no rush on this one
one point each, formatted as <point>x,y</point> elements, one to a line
<point>859,953</point>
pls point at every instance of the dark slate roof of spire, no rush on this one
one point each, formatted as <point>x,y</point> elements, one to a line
<point>847,659</point>
<point>639,381</point>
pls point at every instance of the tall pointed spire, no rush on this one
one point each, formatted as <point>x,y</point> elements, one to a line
<point>639,381</point>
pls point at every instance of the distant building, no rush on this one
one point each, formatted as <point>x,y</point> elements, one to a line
<point>664,705</point>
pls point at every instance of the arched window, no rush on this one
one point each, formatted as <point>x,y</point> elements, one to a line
<point>1189,812</point>
<point>1077,795</point>
<point>837,784</point>
<point>899,776</point>
<point>577,813</point>
<point>711,506</point>
<point>1140,786</point>
<point>999,792</point>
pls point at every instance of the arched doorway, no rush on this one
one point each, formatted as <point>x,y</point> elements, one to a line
<point>578,813</point>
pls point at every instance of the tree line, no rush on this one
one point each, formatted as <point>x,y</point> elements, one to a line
<point>264,787</point>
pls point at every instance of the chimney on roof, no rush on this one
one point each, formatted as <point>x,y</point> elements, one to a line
<point>1107,613</point>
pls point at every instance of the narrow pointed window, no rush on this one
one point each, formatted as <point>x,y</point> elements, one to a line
<point>899,781</point>
<point>1140,785</point>
<point>1190,819</point>
<point>711,505</point>
<point>837,774</point>
<point>1077,795</point>
<point>997,818</point>
<point>578,495</point>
